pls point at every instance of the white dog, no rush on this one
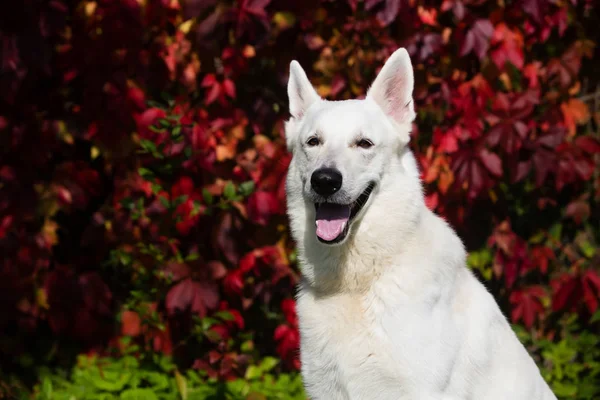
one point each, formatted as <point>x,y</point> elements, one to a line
<point>387,306</point>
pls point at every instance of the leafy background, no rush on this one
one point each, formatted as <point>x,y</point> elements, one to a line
<point>145,251</point>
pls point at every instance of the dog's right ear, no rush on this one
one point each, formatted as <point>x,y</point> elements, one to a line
<point>300,91</point>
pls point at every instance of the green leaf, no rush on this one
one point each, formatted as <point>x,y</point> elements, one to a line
<point>155,104</point>
<point>176,131</point>
<point>208,198</point>
<point>164,201</point>
<point>148,145</point>
<point>192,257</point>
<point>556,231</point>
<point>156,188</point>
<point>213,336</point>
<point>224,315</point>
<point>229,191</point>
<point>181,385</point>
<point>564,389</point>
<point>145,173</point>
<point>587,249</point>
<point>111,381</point>
<point>127,203</point>
<point>155,129</point>
<point>246,188</point>
<point>247,346</point>
<point>537,238</point>
<point>180,200</point>
<point>47,388</point>
<point>253,372</point>
<point>268,363</point>
<point>207,323</point>
<point>595,317</point>
<point>138,394</point>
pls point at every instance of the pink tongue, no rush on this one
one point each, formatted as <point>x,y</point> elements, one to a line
<point>331,220</point>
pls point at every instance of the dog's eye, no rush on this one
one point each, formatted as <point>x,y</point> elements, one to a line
<point>313,141</point>
<point>364,144</point>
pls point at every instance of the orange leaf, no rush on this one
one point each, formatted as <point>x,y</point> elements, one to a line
<point>227,150</point>
<point>575,112</point>
<point>130,323</point>
<point>446,179</point>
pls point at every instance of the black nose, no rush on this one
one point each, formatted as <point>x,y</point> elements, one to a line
<point>326,181</point>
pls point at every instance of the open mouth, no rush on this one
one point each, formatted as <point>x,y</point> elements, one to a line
<point>333,220</point>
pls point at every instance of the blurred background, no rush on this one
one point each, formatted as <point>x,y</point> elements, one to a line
<point>144,246</point>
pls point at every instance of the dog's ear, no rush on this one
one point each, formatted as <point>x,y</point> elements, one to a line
<point>393,87</point>
<point>300,91</point>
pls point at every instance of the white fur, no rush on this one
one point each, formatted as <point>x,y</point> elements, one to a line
<point>392,312</point>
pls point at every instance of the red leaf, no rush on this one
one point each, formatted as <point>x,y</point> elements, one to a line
<point>478,38</point>
<point>337,85</point>
<point>288,306</point>
<point>209,80</point>
<point>544,162</point>
<point>588,144</point>
<point>508,129</point>
<point>565,292</point>
<point>137,98</point>
<point>177,271</point>
<point>470,172</point>
<point>130,323</point>
<point>432,201</point>
<point>183,186</point>
<point>535,8</point>
<point>424,45</point>
<point>508,46</point>
<point>592,277</point>
<point>146,119</point>
<point>591,290</point>
<point>445,141</point>
<point>522,171</point>
<point>589,297</point>
<point>388,12</point>
<point>80,305</point>
<point>233,283</point>
<point>247,263</point>
<point>249,11</point>
<point>229,88</point>
<point>5,225</point>
<point>212,94</point>
<point>527,304</point>
<point>541,255</point>
<point>214,356</point>
<point>352,4</point>
<point>187,216</point>
<point>566,68</point>
<point>192,295</point>
<point>492,162</point>
<point>552,138</point>
<point>579,210</point>
<point>288,343</point>
<point>261,206</point>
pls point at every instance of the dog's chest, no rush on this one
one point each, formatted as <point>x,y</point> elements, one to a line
<point>342,349</point>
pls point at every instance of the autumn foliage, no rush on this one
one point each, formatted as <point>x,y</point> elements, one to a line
<point>142,163</point>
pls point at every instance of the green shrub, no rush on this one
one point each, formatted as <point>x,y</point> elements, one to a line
<point>131,378</point>
<point>571,365</point>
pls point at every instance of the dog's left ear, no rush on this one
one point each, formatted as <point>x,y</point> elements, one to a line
<point>300,92</point>
<point>393,87</point>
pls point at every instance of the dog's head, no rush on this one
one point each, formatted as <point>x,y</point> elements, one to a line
<point>342,149</point>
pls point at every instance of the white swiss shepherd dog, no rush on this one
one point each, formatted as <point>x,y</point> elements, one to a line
<point>387,306</point>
